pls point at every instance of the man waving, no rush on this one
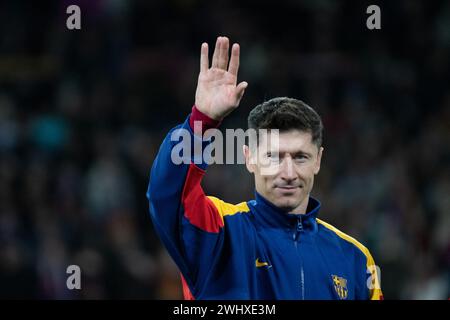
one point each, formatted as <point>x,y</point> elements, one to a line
<point>273,246</point>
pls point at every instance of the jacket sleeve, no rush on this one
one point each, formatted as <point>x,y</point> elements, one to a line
<point>373,279</point>
<point>188,223</point>
<point>368,277</point>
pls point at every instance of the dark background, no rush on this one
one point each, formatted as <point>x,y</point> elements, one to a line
<point>82,114</point>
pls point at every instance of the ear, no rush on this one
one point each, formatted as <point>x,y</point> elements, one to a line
<point>247,155</point>
<point>318,161</point>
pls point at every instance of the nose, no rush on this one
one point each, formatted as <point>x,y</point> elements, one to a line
<point>287,170</point>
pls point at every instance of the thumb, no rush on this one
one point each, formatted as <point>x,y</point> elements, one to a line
<point>240,89</point>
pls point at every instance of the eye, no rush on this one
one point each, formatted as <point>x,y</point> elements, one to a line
<point>272,156</point>
<point>301,158</point>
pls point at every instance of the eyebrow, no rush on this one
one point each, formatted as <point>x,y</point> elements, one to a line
<point>302,153</point>
<point>295,153</point>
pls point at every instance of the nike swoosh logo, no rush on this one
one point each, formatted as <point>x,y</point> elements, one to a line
<point>260,264</point>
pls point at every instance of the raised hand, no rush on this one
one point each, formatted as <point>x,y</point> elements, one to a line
<point>217,93</point>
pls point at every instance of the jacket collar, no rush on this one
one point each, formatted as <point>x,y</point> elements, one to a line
<point>269,214</point>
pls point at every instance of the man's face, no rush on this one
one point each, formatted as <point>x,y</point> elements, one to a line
<point>285,176</point>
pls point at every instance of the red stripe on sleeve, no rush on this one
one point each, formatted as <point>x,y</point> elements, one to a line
<point>186,291</point>
<point>198,209</point>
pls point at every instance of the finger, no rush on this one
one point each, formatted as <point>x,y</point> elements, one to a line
<point>223,57</point>
<point>204,63</point>
<point>234,61</point>
<point>215,59</point>
<point>240,89</point>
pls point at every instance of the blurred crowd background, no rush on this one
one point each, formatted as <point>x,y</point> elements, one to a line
<point>82,114</point>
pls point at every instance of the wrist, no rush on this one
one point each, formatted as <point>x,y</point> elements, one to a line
<point>206,121</point>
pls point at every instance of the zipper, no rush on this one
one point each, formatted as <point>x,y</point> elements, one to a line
<point>298,229</point>
<point>302,282</point>
<point>299,225</point>
<point>296,238</point>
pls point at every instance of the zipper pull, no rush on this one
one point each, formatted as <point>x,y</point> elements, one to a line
<point>299,224</point>
<point>298,229</point>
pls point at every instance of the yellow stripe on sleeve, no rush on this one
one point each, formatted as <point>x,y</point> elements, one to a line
<point>375,288</point>
<point>228,209</point>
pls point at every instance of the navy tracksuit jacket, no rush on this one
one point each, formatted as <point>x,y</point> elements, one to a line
<point>251,250</point>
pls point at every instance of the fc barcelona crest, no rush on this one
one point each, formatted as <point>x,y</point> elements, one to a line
<point>340,285</point>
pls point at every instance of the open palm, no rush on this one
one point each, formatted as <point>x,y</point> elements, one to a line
<point>217,93</point>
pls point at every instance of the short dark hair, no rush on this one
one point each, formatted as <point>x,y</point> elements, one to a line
<point>284,114</point>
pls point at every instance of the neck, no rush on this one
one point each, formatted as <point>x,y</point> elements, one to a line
<point>301,209</point>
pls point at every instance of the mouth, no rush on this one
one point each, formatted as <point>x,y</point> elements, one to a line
<point>287,188</point>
